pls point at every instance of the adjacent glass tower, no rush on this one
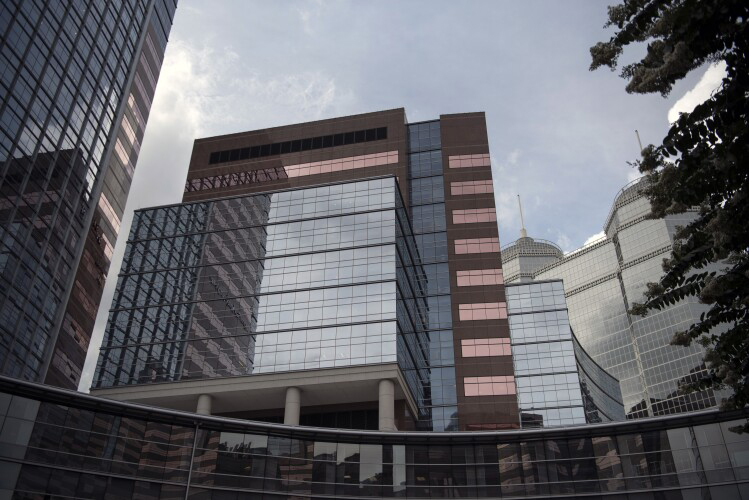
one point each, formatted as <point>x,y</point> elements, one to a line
<point>558,383</point>
<point>76,84</point>
<point>602,280</point>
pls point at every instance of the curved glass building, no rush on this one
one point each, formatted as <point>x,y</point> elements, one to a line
<point>59,443</point>
<point>558,383</point>
<point>602,280</point>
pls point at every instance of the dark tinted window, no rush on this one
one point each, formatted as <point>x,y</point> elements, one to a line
<point>327,141</point>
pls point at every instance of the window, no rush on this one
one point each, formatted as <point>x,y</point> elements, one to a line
<point>478,277</point>
<point>471,187</point>
<point>500,385</point>
<point>477,245</point>
<point>465,161</point>
<point>328,141</point>
<point>299,170</point>
<point>472,348</point>
<point>482,311</point>
<point>472,216</point>
<point>108,211</point>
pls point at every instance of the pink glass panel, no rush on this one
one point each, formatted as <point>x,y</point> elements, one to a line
<point>471,348</point>
<point>482,311</point>
<point>478,277</point>
<point>109,213</point>
<point>465,161</point>
<point>501,385</point>
<point>472,389</point>
<point>474,215</point>
<point>471,187</point>
<point>296,170</point>
<point>477,245</point>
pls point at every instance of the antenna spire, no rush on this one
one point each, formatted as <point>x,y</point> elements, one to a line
<point>638,140</point>
<point>523,233</point>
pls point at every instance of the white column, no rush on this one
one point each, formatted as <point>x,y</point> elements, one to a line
<point>293,406</point>
<point>387,405</point>
<point>204,404</point>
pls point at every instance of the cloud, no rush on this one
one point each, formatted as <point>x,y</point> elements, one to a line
<point>505,192</point>
<point>203,91</point>
<point>563,241</point>
<point>594,238</point>
<point>633,174</point>
<point>186,85</point>
<point>309,15</point>
<point>709,82</point>
<point>207,91</point>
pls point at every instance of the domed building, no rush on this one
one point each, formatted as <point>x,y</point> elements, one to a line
<point>602,280</point>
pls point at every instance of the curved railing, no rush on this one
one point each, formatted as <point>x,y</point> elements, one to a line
<point>614,205</point>
<point>63,443</point>
<point>535,240</point>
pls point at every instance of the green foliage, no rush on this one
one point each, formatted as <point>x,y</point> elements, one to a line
<point>702,162</point>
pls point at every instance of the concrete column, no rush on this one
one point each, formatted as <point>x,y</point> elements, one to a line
<point>293,406</point>
<point>204,404</point>
<point>387,405</point>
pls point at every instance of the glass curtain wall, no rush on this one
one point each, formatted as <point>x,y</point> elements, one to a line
<point>427,207</point>
<point>66,444</point>
<point>291,280</point>
<point>64,71</point>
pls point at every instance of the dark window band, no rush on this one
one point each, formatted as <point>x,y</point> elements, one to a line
<point>327,141</point>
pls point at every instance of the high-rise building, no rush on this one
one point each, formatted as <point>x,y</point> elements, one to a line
<point>332,277</point>
<point>341,267</point>
<point>602,280</point>
<point>558,383</point>
<point>76,84</point>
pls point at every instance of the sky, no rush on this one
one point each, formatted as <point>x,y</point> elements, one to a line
<point>560,135</point>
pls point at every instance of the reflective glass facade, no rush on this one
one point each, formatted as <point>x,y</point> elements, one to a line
<point>281,262</point>
<point>291,280</point>
<point>294,280</point>
<point>602,280</point>
<point>76,84</point>
<point>427,199</point>
<point>557,381</point>
<point>64,444</point>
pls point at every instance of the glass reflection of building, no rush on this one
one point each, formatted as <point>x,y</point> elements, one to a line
<point>250,285</point>
<point>63,444</point>
<point>558,384</point>
<point>326,268</point>
<point>234,266</point>
<point>76,84</point>
<point>601,281</point>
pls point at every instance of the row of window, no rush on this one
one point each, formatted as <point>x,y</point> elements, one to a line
<point>478,277</point>
<point>70,70</point>
<point>277,148</point>
<point>482,311</point>
<point>431,189</point>
<point>466,161</point>
<point>474,215</point>
<point>477,245</point>
<point>269,174</point>
<point>473,348</point>
<point>471,187</point>
<point>497,385</point>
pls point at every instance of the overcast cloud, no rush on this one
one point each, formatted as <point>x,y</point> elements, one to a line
<point>560,136</point>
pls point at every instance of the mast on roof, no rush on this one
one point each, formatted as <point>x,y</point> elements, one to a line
<point>638,140</point>
<point>523,232</point>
